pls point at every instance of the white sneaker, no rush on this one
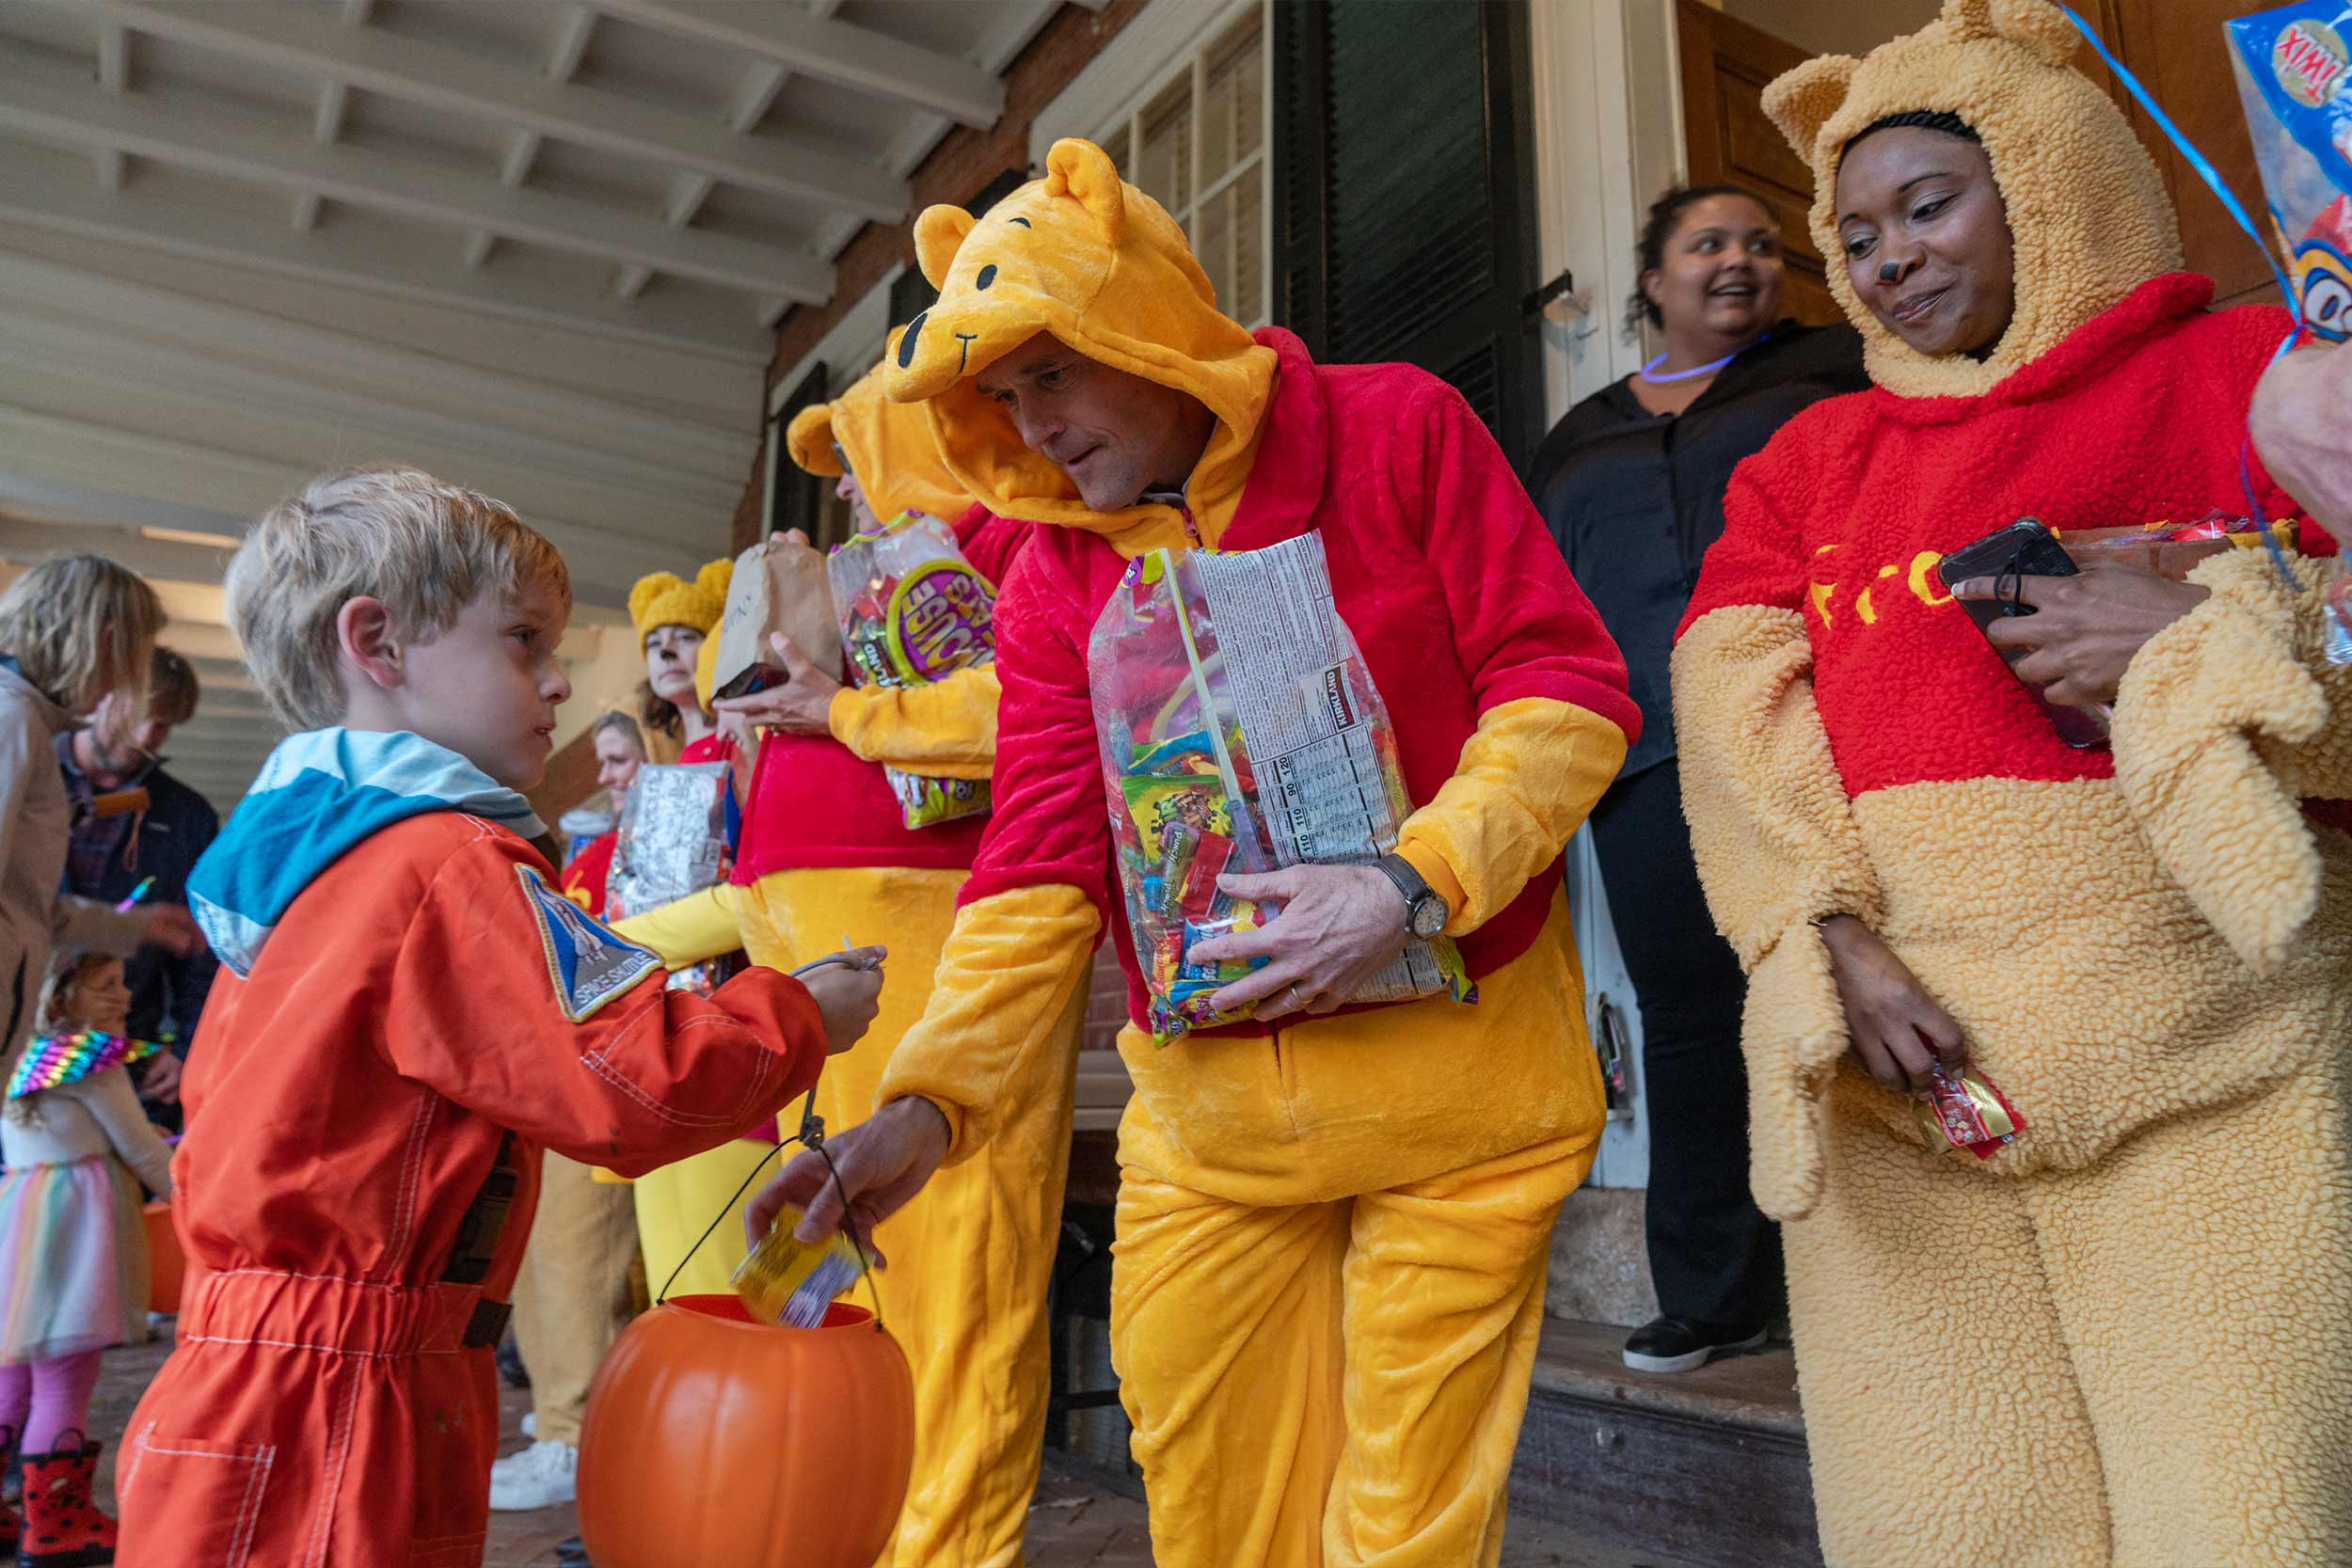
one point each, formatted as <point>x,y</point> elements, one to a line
<point>542,1476</point>
<point>531,1423</point>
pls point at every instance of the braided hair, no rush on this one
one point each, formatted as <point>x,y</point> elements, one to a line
<point>1916,119</point>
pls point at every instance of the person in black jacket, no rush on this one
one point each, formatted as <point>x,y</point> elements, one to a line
<point>119,843</point>
<point>1631,481</point>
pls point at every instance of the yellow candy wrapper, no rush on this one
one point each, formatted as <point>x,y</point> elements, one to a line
<point>786,1281</point>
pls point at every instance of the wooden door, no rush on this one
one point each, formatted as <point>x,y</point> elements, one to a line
<point>1726,65</point>
<point>2177,50</point>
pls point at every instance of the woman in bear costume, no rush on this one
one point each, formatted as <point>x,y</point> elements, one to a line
<point>2125,1338</point>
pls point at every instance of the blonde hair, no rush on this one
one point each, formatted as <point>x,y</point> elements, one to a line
<point>424,548</point>
<point>80,627</point>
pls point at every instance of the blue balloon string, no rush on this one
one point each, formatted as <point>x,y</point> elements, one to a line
<point>2204,170</point>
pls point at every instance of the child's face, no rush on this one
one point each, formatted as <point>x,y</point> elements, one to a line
<point>488,687</point>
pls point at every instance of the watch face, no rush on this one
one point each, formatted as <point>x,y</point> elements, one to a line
<point>1428,916</point>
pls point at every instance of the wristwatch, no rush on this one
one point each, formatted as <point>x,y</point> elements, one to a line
<point>1425,910</point>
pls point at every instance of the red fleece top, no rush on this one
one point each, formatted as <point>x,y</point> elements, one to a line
<point>1439,566</point>
<point>813,802</point>
<point>2137,416</point>
<point>583,879</point>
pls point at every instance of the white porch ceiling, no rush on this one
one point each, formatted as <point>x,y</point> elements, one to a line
<point>537,247</point>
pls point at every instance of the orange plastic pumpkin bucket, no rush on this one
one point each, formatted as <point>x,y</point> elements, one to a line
<point>713,1440</point>
<point>167,1270</point>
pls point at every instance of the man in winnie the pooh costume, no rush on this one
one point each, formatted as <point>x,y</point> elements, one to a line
<point>1333,1226</point>
<point>2124,1338</point>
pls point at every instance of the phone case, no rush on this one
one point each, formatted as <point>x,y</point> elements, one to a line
<point>2026,547</point>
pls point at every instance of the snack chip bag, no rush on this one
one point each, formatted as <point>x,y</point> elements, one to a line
<point>1240,731</point>
<point>1966,1110</point>
<point>2293,69</point>
<point>914,611</point>
<point>784,1280</point>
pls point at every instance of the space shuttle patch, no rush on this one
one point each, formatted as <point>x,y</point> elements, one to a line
<point>587,963</point>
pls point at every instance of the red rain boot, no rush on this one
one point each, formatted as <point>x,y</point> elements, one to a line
<point>7,1515</point>
<point>63,1526</point>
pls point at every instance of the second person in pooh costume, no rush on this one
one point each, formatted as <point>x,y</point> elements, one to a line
<point>1332,1227</point>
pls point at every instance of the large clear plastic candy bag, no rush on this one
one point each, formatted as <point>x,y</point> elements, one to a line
<point>1240,731</point>
<point>912,612</point>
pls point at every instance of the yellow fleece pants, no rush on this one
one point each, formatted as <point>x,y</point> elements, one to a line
<point>678,1202</point>
<point>1324,1331</point>
<point>574,1295</point>
<point>971,1257</point>
<point>2143,1363</point>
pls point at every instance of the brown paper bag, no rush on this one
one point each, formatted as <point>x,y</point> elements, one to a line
<point>779,586</point>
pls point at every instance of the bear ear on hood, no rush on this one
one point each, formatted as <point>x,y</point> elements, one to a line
<point>939,233</point>
<point>649,588</point>
<point>809,441</point>
<point>2034,24</point>
<point>1084,171</point>
<point>1800,101</point>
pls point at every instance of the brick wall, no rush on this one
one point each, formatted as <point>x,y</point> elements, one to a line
<point>959,168</point>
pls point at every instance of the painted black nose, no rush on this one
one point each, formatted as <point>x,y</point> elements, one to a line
<point>906,343</point>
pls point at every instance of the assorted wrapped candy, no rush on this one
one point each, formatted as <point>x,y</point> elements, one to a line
<point>1240,732</point>
<point>785,1280</point>
<point>2171,548</point>
<point>912,612</point>
<point>1965,1111</point>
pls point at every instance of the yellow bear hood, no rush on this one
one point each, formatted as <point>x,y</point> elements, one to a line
<point>2086,205</point>
<point>1103,267</point>
<point>887,445</point>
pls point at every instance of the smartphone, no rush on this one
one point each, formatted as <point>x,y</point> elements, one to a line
<point>2028,548</point>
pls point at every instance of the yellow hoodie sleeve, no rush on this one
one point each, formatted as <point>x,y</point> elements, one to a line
<point>689,930</point>
<point>2225,721</point>
<point>1529,774</point>
<point>1011,964</point>
<point>946,730</point>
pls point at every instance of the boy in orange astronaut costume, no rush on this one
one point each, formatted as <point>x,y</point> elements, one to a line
<point>411,1012</point>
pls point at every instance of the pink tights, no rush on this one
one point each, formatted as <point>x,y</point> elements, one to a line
<point>45,1400</point>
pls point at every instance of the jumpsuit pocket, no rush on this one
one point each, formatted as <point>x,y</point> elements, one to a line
<point>213,1492</point>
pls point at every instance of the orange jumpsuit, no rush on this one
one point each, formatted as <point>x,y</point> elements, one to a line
<point>367,1110</point>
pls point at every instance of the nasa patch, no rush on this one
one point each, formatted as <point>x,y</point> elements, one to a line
<point>588,965</point>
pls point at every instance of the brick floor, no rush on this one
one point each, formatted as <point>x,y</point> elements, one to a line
<point>1077,1521</point>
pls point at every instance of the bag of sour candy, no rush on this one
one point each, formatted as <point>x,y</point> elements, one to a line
<point>914,611</point>
<point>785,1280</point>
<point>1240,731</point>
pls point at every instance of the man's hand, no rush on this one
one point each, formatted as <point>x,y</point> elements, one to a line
<point>801,705</point>
<point>175,931</point>
<point>2084,630</point>
<point>162,1083</point>
<point>883,1162</point>
<point>1339,926</point>
<point>1894,1029</point>
<point>847,994</point>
